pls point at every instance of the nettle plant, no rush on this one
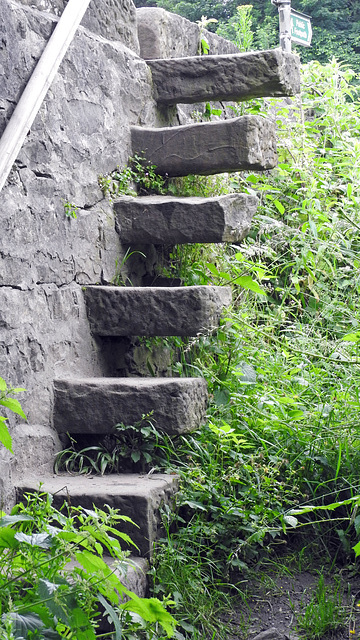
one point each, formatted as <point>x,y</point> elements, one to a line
<point>54,578</point>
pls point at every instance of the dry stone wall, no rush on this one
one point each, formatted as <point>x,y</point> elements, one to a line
<point>103,88</point>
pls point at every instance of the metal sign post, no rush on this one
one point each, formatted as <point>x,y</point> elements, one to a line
<point>284,8</point>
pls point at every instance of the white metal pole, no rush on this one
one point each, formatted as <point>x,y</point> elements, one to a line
<point>38,85</point>
<point>284,7</point>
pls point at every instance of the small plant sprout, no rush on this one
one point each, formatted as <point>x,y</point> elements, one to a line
<point>204,46</point>
<point>70,209</point>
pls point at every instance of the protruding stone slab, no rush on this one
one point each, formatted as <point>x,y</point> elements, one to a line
<point>96,405</point>
<point>169,220</point>
<point>154,311</point>
<point>138,497</point>
<point>248,142</point>
<point>228,77</point>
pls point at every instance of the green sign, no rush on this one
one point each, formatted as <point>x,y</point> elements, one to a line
<point>301,31</point>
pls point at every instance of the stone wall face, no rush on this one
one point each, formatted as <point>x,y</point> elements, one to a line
<point>112,19</point>
<point>82,130</point>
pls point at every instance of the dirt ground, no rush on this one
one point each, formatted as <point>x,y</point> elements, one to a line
<point>276,604</point>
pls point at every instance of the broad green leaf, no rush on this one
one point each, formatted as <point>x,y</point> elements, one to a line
<point>280,207</point>
<point>14,405</point>
<point>357,549</point>
<point>7,538</point>
<point>135,456</point>
<point>291,521</point>
<point>352,337</point>
<point>3,385</point>
<point>91,562</point>
<point>59,598</point>
<point>80,624</point>
<point>151,610</point>
<point>248,283</point>
<point>43,540</point>
<point>5,437</point>
<point>212,268</point>
<point>8,520</point>
<point>23,623</point>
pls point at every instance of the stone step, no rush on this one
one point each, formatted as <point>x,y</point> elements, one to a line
<point>241,76</point>
<point>138,497</point>
<point>169,220</point>
<point>245,143</point>
<point>154,311</point>
<point>96,405</point>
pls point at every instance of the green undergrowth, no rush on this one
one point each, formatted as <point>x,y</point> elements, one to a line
<point>279,459</point>
<point>278,462</point>
<point>55,582</point>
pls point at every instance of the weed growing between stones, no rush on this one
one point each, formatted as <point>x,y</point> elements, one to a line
<point>128,449</point>
<point>70,209</point>
<point>12,404</point>
<point>138,177</point>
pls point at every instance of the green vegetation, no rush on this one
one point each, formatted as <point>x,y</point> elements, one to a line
<point>278,462</point>
<point>10,403</point>
<point>279,459</point>
<point>138,177</point>
<point>42,597</point>
<point>336,25</point>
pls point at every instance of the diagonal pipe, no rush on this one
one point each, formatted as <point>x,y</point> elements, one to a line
<point>38,85</point>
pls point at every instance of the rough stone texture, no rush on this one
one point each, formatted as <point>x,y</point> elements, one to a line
<point>112,19</point>
<point>226,77</point>
<point>167,35</point>
<point>248,142</point>
<point>169,220</point>
<point>138,497</point>
<point>97,405</point>
<point>82,130</point>
<point>155,311</point>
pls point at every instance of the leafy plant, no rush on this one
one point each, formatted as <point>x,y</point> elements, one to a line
<point>129,448</point>
<point>42,597</point>
<point>204,46</point>
<point>70,209</point>
<point>138,177</point>
<point>7,401</point>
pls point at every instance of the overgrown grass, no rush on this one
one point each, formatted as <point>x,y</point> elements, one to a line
<point>283,369</point>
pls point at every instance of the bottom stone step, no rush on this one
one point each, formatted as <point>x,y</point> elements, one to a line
<point>96,405</point>
<point>135,496</point>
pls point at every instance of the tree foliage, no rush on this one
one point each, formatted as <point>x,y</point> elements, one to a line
<point>336,25</point>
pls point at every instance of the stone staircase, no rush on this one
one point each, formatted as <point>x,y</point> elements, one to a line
<point>94,406</point>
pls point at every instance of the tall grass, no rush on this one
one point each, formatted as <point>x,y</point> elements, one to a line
<point>284,367</point>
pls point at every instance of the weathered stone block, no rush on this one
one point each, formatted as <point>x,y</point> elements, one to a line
<point>167,35</point>
<point>154,311</point>
<point>112,19</point>
<point>248,142</point>
<point>96,405</point>
<point>227,77</point>
<point>169,220</point>
<point>138,497</point>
